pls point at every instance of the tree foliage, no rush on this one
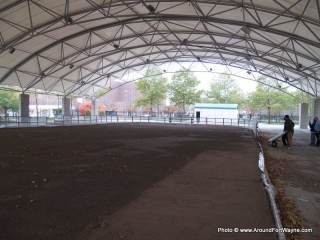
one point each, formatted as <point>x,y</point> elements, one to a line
<point>269,95</point>
<point>88,106</point>
<point>112,106</point>
<point>9,100</point>
<point>224,89</point>
<point>170,109</point>
<point>152,89</point>
<point>100,93</point>
<point>183,90</point>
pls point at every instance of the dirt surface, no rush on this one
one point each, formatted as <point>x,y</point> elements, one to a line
<point>131,181</point>
<point>296,174</point>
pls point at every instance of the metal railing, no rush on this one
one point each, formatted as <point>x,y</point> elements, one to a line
<point>17,121</point>
<point>77,120</point>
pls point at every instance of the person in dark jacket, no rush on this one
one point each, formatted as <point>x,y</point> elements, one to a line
<point>289,126</point>
<point>313,132</point>
<point>285,136</point>
<point>317,131</point>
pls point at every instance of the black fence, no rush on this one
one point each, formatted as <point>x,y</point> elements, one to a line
<point>77,120</point>
<point>13,121</point>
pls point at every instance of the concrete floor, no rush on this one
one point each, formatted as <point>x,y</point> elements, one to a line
<point>302,176</point>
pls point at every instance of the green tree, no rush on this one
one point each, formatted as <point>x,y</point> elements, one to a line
<point>205,97</point>
<point>152,88</point>
<point>250,106</point>
<point>269,96</point>
<point>225,90</point>
<point>299,97</point>
<point>9,100</point>
<point>183,90</point>
<point>101,92</point>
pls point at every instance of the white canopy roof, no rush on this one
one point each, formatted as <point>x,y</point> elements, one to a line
<point>76,47</point>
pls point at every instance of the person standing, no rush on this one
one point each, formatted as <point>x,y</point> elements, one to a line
<point>317,131</point>
<point>289,126</point>
<point>313,133</point>
<point>285,136</point>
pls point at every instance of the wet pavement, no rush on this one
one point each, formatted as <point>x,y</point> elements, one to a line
<point>302,179</point>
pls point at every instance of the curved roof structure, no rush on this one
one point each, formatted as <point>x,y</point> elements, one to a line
<point>76,47</point>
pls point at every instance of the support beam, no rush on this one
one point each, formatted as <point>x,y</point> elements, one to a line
<point>24,108</point>
<point>303,113</point>
<point>66,109</point>
<point>315,110</point>
<point>95,106</point>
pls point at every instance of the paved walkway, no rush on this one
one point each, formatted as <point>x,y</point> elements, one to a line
<point>302,178</point>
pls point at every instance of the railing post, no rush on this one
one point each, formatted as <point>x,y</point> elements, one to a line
<point>132,118</point>
<point>117,118</point>
<point>206,121</point>
<point>223,121</point>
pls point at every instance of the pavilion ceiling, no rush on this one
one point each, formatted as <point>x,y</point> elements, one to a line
<point>76,47</point>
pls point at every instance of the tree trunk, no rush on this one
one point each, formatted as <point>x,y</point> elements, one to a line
<point>269,111</point>
<point>183,106</point>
